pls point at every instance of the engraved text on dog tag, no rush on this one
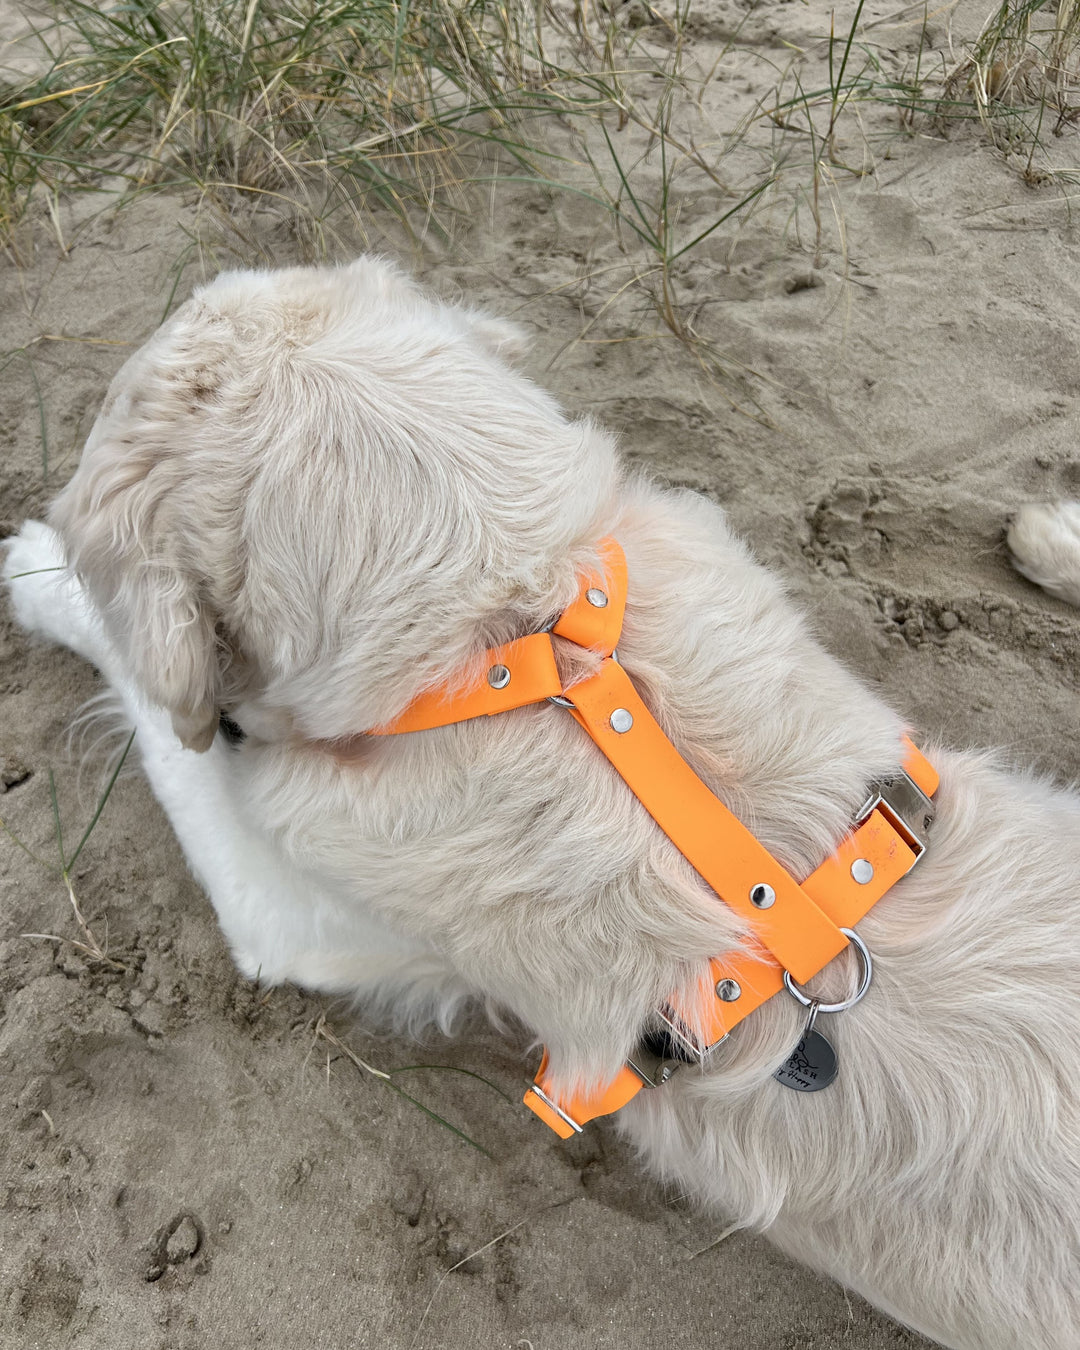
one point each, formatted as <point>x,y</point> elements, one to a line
<point>811,1065</point>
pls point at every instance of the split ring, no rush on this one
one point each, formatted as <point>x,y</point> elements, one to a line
<point>864,984</point>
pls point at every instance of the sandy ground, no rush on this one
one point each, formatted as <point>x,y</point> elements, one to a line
<point>182,1163</point>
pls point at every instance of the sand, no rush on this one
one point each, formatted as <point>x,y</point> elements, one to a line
<point>184,1162</point>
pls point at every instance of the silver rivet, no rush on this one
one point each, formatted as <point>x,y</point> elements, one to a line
<point>621,720</point>
<point>596,597</point>
<point>862,869</point>
<point>498,677</point>
<point>728,990</point>
<point>762,895</point>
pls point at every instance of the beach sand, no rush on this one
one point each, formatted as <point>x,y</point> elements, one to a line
<point>184,1163</point>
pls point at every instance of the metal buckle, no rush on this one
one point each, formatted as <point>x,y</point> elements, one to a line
<point>652,1068</point>
<point>667,1046</point>
<point>905,806</point>
<point>535,1087</point>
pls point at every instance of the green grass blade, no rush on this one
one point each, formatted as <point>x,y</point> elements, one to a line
<point>452,1068</point>
<point>101,803</point>
<point>752,196</point>
<point>646,232</point>
<point>56,821</point>
<point>434,1115</point>
<point>839,82</point>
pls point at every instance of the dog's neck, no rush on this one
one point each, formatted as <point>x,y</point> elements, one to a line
<point>779,731</point>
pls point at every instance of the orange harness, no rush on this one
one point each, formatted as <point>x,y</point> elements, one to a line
<point>798,928</point>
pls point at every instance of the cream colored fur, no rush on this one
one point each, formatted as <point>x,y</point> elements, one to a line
<point>1044,540</point>
<point>313,494</point>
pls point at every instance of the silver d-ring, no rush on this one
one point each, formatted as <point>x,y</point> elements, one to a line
<point>864,984</point>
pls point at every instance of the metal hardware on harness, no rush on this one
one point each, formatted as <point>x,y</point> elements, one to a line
<point>560,700</point>
<point>666,1047</point>
<point>554,1106</point>
<point>905,805</point>
<point>653,1069</point>
<point>762,896</point>
<point>686,1046</point>
<point>864,984</point>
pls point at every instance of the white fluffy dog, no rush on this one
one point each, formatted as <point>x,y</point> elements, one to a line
<point>316,493</point>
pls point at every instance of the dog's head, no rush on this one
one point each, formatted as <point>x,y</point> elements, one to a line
<point>314,492</point>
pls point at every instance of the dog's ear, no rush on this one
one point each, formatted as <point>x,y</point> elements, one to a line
<point>176,651</point>
<point>125,537</point>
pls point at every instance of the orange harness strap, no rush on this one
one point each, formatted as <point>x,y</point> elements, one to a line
<point>753,974</point>
<point>793,929</point>
<point>518,674</point>
<point>796,927</point>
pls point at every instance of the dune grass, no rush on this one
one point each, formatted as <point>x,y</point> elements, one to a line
<point>308,107</point>
<point>333,117</point>
<point>296,126</point>
<point>325,1032</point>
<point>1021,76</point>
<point>331,120</point>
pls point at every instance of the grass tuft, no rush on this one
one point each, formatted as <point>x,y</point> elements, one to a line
<point>1021,76</point>
<point>294,105</point>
